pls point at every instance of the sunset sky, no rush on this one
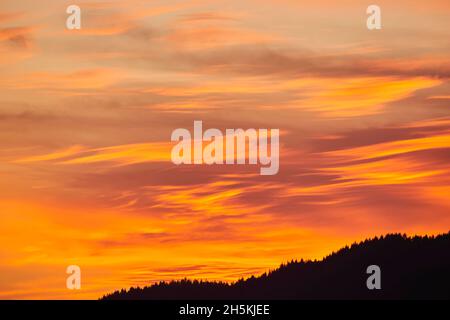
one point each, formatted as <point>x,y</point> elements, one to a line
<point>86,118</point>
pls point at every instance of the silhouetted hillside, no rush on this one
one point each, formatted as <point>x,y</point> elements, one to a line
<point>411,268</point>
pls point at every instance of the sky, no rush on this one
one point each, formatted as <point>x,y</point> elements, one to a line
<point>86,117</point>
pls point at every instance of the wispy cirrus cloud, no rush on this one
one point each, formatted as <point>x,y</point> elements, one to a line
<point>86,118</point>
<point>122,154</point>
<point>393,148</point>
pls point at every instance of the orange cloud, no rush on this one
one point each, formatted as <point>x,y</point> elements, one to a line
<point>364,118</point>
<point>122,154</point>
<point>393,148</point>
<point>71,151</point>
<point>362,96</point>
<point>387,172</point>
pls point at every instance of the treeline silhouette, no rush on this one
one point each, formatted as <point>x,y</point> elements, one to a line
<point>411,268</point>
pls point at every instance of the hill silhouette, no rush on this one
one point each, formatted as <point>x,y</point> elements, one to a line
<point>411,268</point>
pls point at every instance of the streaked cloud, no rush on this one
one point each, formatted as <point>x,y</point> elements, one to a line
<point>395,148</point>
<point>86,118</point>
<point>122,155</point>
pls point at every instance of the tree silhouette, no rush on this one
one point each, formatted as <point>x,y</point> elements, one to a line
<point>411,268</point>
